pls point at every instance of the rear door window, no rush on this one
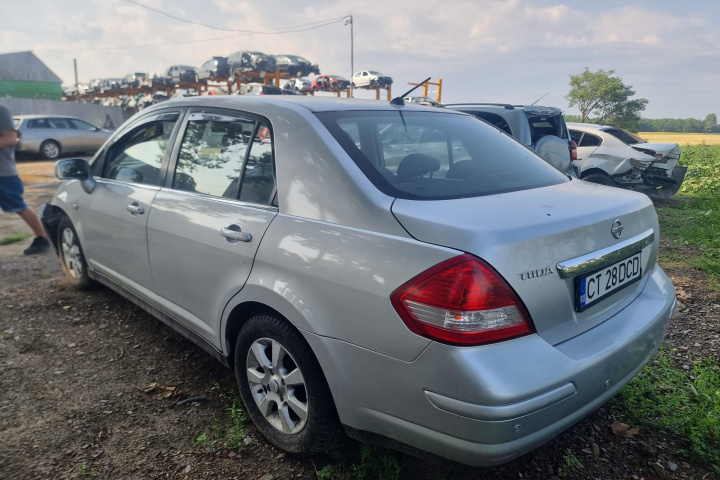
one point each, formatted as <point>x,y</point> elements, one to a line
<point>590,140</point>
<point>212,154</point>
<point>427,155</point>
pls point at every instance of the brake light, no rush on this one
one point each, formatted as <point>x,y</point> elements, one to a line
<point>462,301</point>
<point>573,150</point>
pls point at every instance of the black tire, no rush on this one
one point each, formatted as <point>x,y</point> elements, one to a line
<point>50,149</point>
<point>72,257</point>
<point>600,179</point>
<point>309,436</point>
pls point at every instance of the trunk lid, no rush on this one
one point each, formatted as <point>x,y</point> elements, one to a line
<point>670,154</point>
<point>524,235</point>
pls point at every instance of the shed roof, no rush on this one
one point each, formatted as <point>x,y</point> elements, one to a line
<point>25,66</point>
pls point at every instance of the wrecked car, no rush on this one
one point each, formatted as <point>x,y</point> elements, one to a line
<point>612,156</point>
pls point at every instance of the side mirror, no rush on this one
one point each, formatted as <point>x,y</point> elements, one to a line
<point>76,169</point>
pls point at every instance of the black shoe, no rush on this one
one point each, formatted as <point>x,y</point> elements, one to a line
<point>38,245</point>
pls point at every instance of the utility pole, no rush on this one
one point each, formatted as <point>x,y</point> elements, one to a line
<point>352,66</point>
<point>77,88</point>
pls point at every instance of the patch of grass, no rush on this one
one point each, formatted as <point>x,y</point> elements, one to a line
<point>685,403</point>
<point>695,220</point>
<point>570,461</point>
<point>231,435</point>
<point>13,238</point>
<point>703,175</point>
<point>83,471</point>
<point>369,462</point>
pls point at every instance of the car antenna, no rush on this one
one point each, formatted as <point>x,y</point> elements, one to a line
<point>399,100</point>
<point>533,103</point>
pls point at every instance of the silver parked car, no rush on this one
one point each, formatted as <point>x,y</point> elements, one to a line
<point>612,156</point>
<point>406,272</point>
<point>51,136</point>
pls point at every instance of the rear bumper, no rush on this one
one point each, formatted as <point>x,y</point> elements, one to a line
<point>487,405</point>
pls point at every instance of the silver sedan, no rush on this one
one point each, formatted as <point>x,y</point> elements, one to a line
<point>51,136</point>
<point>404,271</point>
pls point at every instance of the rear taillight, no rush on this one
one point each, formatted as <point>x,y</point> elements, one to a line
<point>573,150</point>
<point>462,301</point>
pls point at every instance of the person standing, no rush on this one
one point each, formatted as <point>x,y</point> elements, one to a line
<point>11,187</point>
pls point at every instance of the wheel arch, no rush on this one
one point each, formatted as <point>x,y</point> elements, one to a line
<point>593,171</point>
<point>50,217</point>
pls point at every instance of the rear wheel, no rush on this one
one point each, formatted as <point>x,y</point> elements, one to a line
<point>50,149</point>
<point>71,256</point>
<point>283,387</point>
<point>601,179</point>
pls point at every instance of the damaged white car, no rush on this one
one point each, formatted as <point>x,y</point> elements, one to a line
<point>611,156</point>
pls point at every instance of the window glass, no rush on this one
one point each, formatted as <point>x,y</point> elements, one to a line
<point>38,123</point>
<point>59,123</point>
<point>80,125</point>
<point>138,155</point>
<point>495,120</point>
<point>590,140</point>
<point>258,182</point>
<point>211,154</point>
<point>575,136</point>
<point>625,137</point>
<point>545,125</point>
<point>428,155</point>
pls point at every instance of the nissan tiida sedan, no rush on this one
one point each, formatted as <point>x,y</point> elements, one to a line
<point>406,272</point>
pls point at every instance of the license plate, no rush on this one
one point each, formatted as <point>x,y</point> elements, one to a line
<point>593,287</point>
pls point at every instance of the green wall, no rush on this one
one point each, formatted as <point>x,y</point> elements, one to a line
<point>21,89</point>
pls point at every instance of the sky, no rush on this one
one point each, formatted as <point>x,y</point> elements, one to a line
<point>508,51</point>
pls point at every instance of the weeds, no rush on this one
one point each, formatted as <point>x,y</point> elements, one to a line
<point>570,461</point>
<point>684,403</point>
<point>13,238</point>
<point>83,471</point>
<point>375,463</point>
<point>231,435</point>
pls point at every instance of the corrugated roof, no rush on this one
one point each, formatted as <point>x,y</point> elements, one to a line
<point>25,66</point>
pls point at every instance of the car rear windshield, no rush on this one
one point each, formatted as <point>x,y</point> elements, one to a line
<point>433,156</point>
<point>625,137</point>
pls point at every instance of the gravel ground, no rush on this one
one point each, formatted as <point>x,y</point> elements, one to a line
<point>74,367</point>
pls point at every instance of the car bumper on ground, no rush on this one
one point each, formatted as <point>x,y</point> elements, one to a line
<point>487,405</point>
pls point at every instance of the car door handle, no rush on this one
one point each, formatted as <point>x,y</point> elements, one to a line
<point>233,233</point>
<point>135,209</point>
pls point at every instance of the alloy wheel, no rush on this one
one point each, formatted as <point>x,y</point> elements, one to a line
<point>71,253</point>
<point>277,386</point>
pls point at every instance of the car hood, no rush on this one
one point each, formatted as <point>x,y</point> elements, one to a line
<point>524,235</point>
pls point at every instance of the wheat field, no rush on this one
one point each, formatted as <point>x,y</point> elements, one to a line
<point>682,138</point>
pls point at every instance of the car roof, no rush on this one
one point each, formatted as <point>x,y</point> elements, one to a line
<point>294,102</point>
<point>537,109</point>
<point>35,115</point>
<point>587,126</point>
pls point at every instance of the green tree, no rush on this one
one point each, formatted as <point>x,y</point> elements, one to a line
<point>607,97</point>
<point>711,123</point>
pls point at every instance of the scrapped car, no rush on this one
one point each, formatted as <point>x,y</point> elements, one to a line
<point>422,100</point>
<point>214,69</point>
<point>51,136</point>
<point>180,73</point>
<point>250,62</point>
<point>259,89</point>
<point>542,129</point>
<point>612,156</point>
<point>371,78</point>
<point>330,83</point>
<point>136,80</point>
<point>295,65</point>
<point>407,272</point>
<point>298,85</point>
